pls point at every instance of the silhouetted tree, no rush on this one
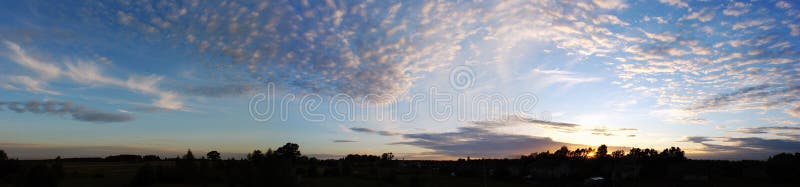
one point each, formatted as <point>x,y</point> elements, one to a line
<point>213,155</point>
<point>562,153</point>
<point>387,156</point>
<point>288,151</point>
<point>673,154</point>
<point>188,155</point>
<point>784,166</point>
<point>255,156</point>
<point>602,152</point>
<point>618,154</point>
<point>580,153</point>
<point>3,155</point>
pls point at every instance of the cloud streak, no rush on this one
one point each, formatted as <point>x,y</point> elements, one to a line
<point>371,131</point>
<point>77,112</point>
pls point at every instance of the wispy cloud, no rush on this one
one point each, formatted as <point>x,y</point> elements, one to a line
<point>604,131</point>
<point>217,90</point>
<point>83,72</point>
<point>21,82</point>
<point>378,132</point>
<point>18,55</point>
<point>524,120</point>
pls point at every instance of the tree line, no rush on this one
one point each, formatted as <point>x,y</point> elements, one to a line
<point>286,166</point>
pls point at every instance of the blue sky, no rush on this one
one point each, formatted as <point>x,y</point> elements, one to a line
<point>718,78</point>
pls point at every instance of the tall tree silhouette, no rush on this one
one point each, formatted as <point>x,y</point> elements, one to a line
<point>3,155</point>
<point>188,155</point>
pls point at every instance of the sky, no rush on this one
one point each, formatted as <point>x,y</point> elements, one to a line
<point>421,79</point>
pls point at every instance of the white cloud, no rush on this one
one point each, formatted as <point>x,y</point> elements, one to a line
<point>91,74</point>
<point>747,24</point>
<point>678,3</point>
<point>704,15</point>
<point>567,78</point>
<point>658,19</point>
<point>605,18</point>
<point>611,4</point>
<point>737,9</point>
<point>795,29</point>
<point>29,84</point>
<point>783,5</point>
<point>18,55</point>
<point>664,37</point>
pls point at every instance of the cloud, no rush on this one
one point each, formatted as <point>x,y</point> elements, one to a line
<point>609,19</point>
<point>794,111</point>
<point>217,90</point>
<point>664,37</point>
<point>783,5</point>
<point>79,113</point>
<point>742,148</point>
<point>610,4</point>
<point>763,130</point>
<point>747,97</point>
<point>560,77</point>
<point>91,74</point>
<point>677,3</point>
<point>30,84</point>
<point>84,72</point>
<point>703,15</point>
<point>364,48</point>
<point>344,141</point>
<point>785,131</point>
<point>737,9</point>
<point>371,131</point>
<point>613,132</point>
<point>18,55</point>
<point>750,23</point>
<point>478,142</point>
<point>523,120</point>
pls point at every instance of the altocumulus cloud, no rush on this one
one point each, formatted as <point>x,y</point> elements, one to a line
<point>359,48</point>
<point>77,112</point>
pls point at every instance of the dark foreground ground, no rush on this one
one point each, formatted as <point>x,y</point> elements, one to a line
<point>408,173</point>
